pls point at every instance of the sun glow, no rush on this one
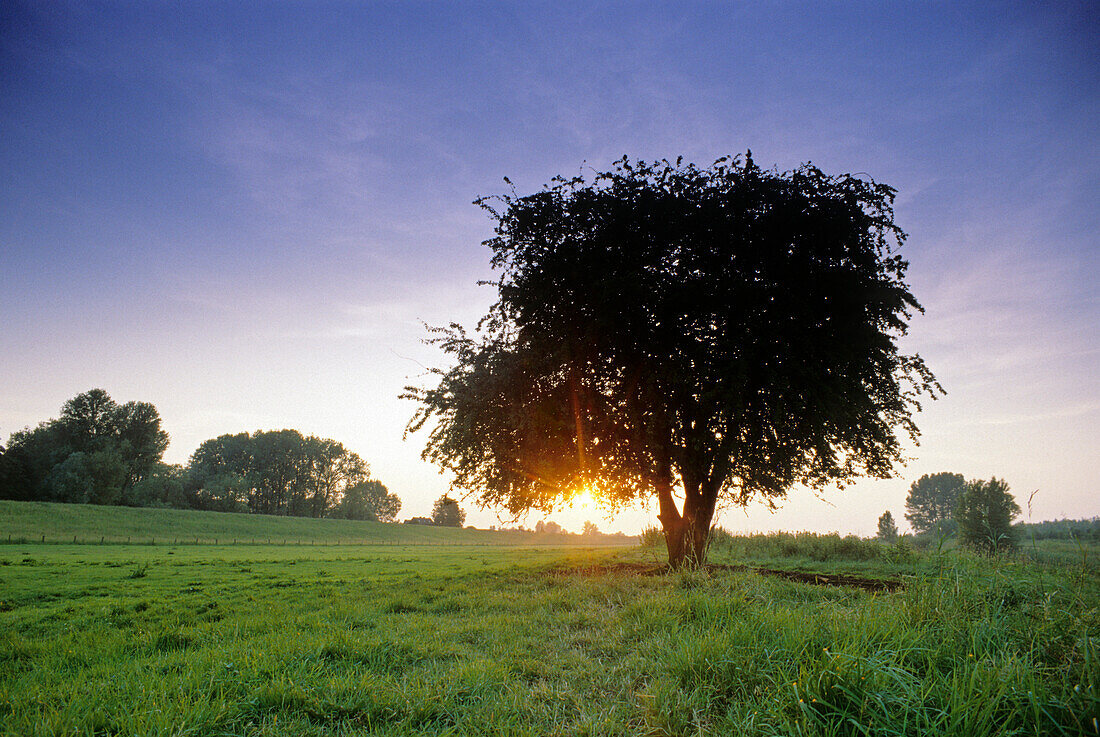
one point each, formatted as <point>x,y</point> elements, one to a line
<point>593,501</point>
<point>584,502</point>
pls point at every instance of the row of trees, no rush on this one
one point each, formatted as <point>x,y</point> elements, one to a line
<point>589,529</point>
<point>1062,529</point>
<point>101,452</point>
<point>280,472</point>
<point>979,512</point>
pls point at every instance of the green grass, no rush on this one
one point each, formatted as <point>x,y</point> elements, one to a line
<point>87,523</point>
<point>389,640</point>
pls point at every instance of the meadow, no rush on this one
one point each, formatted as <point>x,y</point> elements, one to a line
<point>539,640</point>
<point>86,523</point>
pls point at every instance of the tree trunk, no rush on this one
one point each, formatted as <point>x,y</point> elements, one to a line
<point>686,534</point>
<point>687,541</point>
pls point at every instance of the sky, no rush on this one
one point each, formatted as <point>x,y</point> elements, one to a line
<point>245,213</point>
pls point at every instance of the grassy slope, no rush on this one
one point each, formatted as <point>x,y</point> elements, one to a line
<point>459,640</point>
<point>89,523</point>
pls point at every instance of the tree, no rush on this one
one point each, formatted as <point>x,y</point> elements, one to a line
<point>887,530</point>
<point>164,486</point>
<point>88,478</point>
<point>275,472</point>
<point>95,452</point>
<point>590,529</point>
<point>720,333</point>
<point>92,422</point>
<point>369,500</point>
<point>932,500</point>
<point>332,471</point>
<point>447,513</point>
<point>985,513</point>
<point>89,419</point>
<point>549,527</point>
<point>18,479</point>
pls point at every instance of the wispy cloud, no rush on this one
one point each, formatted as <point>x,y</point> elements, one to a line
<point>1035,418</point>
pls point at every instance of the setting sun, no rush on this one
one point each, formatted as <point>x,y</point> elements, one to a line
<point>584,503</point>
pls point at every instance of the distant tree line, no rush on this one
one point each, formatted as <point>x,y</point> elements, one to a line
<point>1062,529</point>
<point>101,452</point>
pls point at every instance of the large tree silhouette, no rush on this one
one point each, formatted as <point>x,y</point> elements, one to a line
<point>666,330</point>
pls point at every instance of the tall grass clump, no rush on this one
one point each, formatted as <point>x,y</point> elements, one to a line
<point>976,647</point>
<point>651,537</point>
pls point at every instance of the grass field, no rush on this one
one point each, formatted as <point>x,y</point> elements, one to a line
<point>86,523</point>
<point>449,639</point>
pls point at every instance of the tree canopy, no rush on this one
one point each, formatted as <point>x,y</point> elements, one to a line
<point>275,472</point>
<point>932,501</point>
<point>887,529</point>
<point>369,500</point>
<point>447,513</point>
<point>664,329</point>
<point>95,452</point>
<point>985,513</point>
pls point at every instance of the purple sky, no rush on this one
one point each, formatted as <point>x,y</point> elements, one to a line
<point>243,212</point>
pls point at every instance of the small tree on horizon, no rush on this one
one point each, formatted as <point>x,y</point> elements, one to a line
<point>369,500</point>
<point>887,529</point>
<point>447,513</point>
<point>985,513</point>
<point>590,529</point>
